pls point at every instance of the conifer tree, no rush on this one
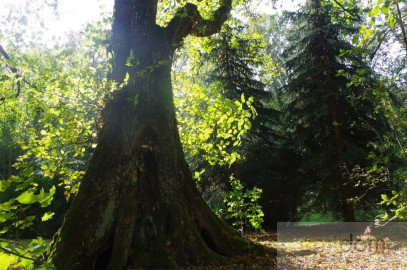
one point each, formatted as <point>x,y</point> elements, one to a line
<point>237,61</point>
<point>332,110</point>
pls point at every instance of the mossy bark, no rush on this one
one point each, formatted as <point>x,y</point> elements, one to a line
<point>138,206</point>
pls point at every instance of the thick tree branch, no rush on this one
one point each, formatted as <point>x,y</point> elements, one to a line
<point>188,21</point>
<point>13,70</point>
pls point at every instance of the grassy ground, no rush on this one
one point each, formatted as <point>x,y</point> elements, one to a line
<point>331,217</point>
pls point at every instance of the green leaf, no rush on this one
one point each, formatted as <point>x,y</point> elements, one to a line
<point>374,12</point>
<point>27,197</point>
<point>47,216</point>
<point>247,125</point>
<point>46,198</point>
<point>38,247</point>
<point>391,21</point>
<point>385,10</point>
<point>5,216</point>
<point>4,184</point>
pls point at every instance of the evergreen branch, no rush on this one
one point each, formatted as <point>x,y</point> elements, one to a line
<point>346,10</point>
<point>188,21</point>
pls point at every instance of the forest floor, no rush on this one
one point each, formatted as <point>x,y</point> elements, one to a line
<point>251,261</point>
<point>311,249</point>
<point>366,251</point>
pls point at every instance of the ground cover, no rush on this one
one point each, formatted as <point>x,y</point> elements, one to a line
<point>369,250</point>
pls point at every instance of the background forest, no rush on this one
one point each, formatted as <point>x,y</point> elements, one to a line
<point>284,117</point>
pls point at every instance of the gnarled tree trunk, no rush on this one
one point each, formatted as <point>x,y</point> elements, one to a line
<point>138,206</point>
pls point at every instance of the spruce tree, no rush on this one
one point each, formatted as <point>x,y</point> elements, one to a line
<point>332,110</point>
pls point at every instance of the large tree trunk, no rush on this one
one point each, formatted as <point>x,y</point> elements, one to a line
<point>138,206</point>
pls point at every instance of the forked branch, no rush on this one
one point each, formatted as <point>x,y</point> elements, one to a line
<point>188,21</point>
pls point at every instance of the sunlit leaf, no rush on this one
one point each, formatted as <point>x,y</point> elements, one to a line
<point>47,216</point>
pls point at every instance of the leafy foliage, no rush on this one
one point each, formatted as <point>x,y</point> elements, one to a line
<point>22,256</point>
<point>53,126</point>
<point>242,206</point>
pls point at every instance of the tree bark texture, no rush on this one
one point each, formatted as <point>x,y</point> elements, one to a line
<point>138,206</point>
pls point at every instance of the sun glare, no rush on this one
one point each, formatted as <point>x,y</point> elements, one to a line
<point>75,13</point>
<point>53,24</point>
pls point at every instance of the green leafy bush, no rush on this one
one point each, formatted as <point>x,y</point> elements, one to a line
<point>242,206</point>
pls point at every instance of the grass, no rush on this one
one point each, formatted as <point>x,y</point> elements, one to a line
<point>332,217</point>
